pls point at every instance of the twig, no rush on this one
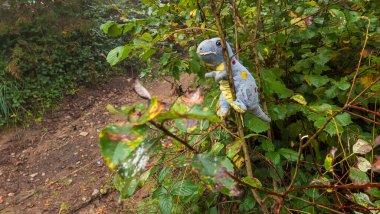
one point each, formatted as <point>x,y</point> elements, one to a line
<point>168,133</point>
<point>364,109</point>
<point>364,90</point>
<point>364,118</point>
<point>368,97</point>
<point>333,186</point>
<point>320,129</point>
<point>360,60</point>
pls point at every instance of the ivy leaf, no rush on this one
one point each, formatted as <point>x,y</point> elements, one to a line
<point>358,177</point>
<point>118,54</point>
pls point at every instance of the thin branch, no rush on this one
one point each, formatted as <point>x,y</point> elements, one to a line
<point>253,187</point>
<point>364,118</point>
<point>360,60</point>
<point>320,129</point>
<point>333,186</point>
<point>368,97</point>
<point>364,90</point>
<point>168,133</point>
<point>364,109</point>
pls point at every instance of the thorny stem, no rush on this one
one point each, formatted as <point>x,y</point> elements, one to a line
<point>237,115</point>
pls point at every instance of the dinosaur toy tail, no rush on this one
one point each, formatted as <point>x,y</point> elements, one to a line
<point>258,111</point>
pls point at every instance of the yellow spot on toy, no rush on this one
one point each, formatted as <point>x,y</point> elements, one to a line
<point>243,74</point>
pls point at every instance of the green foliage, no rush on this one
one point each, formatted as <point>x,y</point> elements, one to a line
<point>306,72</point>
<point>44,57</point>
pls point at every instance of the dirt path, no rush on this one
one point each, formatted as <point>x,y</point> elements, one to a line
<point>55,166</point>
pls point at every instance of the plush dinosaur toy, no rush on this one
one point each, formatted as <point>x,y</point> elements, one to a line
<point>247,97</point>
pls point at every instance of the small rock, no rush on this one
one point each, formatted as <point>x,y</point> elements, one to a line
<point>13,154</point>
<point>8,180</point>
<point>1,173</point>
<point>33,175</point>
<point>84,199</point>
<point>95,192</point>
<point>78,162</point>
<point>43,174</point>
<point>84,134</point>
<point>1,199</point>
<point>11,194</point>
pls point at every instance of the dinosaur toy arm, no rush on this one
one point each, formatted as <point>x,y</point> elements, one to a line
<point>211,74</point>
<point>222,75</point>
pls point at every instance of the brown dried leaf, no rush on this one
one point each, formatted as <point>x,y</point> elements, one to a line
<point>193,98</point>
<point>362,147</point>
<point>139,88</point>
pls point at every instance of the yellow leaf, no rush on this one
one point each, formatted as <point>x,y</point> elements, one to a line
<point>174,24</point>
<point>299,99</point>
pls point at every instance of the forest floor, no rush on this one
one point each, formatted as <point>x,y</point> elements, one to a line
<point>55,166</point>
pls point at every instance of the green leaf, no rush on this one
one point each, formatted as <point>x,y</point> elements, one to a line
<point>272,84</point>
<point>358,177</point>
<point>217,147</point>
<point>267,145</point>
<point>288,154</point>
<point>185,188</point>
<point>316,80</point>
<point>252,181</point>
<point>233,148</point>
<point>118,54</point>
<point>146,37</point>
<point>343,119</point>
<point>362,199</point>
<point>159,192</point>
<point>255,124</point>
<point>274,157</point>
<point>163,173</point>
<point>165,204</point>
<point>214,171</point>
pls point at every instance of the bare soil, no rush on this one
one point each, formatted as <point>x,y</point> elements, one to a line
<point>55,166</point>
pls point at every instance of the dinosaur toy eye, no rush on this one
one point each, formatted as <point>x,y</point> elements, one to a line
<point>218,43</point>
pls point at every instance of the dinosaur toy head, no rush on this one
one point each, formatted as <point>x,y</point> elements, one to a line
<point>211,51</point>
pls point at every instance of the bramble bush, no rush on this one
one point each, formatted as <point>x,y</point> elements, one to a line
<point>317,66</point>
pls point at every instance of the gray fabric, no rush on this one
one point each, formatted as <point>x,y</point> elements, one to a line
<point>247,97</point>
